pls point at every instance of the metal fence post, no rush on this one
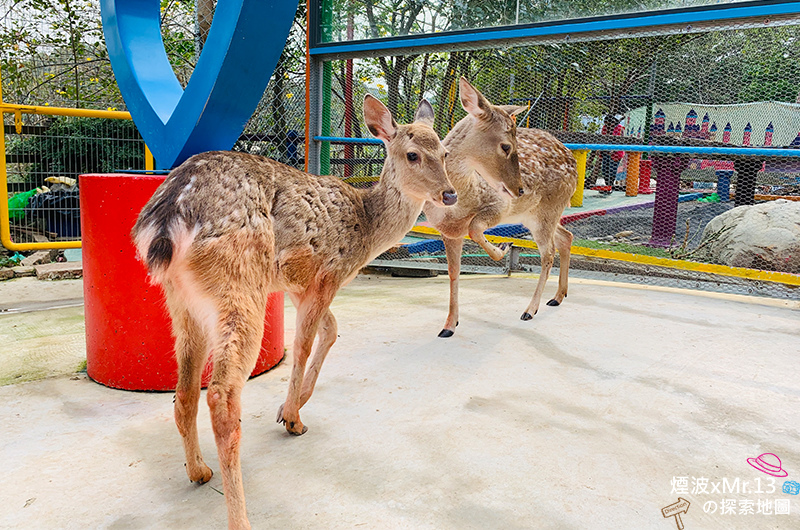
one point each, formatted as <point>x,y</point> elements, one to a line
<point>314,147</point>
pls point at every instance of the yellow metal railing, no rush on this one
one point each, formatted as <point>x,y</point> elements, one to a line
<point>18,111</point>
<point>710,268</point>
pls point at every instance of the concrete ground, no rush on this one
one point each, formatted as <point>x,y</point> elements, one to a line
<point>595,414</point>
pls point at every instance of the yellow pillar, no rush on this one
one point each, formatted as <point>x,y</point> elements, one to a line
<point>632,175</point>
<point>5,221</point>
<point>149,163</point>
<point>577,197</point>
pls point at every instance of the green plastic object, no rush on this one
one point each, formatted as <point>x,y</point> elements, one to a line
<point>18,203</point>
<point>711,198</point>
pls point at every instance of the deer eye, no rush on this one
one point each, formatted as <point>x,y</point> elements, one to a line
<point>506,148</point>
<point>412,157</point>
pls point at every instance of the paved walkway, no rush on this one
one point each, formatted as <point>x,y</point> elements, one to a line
<point>595,414</point>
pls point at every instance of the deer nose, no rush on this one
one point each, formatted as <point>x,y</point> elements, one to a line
<point>449,198</point>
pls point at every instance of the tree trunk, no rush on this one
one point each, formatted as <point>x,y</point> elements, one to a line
<point>424,76</point>
<point>74,40</point>
<point>205,14</point>
<point>392,84</point>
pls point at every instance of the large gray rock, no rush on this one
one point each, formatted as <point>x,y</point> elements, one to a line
<point>765,236</point>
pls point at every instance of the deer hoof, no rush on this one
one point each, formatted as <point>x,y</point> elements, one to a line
<point>296,428</point>
<point>527,316</point>
<point>205,477</point>
<point>445,333</point>
<point>553,302</point>
<point>293,427</point>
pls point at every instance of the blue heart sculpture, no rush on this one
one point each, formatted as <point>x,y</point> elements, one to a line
<point>243,46</point>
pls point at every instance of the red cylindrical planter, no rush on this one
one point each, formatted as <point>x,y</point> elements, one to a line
<point>129,343</point>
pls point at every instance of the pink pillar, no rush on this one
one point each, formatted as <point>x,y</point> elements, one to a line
<point>665,211</point>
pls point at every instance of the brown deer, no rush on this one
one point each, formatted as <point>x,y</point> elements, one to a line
<point>484,144</point>
<point>225,229</point>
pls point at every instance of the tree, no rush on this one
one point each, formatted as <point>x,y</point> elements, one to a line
<point>52,51</point>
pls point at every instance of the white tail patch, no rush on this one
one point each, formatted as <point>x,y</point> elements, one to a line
<point>180,236</point>
<point>144,238</point>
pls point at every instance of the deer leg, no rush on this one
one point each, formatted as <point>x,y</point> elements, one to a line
<point>240,331</point>
<point>326,336</point>
<point>563,240</point>
<point>311,307</point>
<point>452,248</point>
<point>229,276</point>
<point>495,252</point>
<point>191,352</point>
<point>547,251</point>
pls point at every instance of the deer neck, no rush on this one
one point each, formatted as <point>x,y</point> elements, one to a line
<point>390,212</point>
<point>460,170</point>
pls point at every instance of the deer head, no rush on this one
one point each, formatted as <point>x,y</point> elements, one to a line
<point>415,155</point>
<point>490,145</point>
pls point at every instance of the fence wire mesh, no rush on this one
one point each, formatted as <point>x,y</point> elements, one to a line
<point>52,54</point>
<point>372,19</point>
<point>731,87</point>
<point>723,86</point>
<point>44,160</point>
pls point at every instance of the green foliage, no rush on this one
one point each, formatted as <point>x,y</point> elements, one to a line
<point>53,51</point>
<point>73,146</point>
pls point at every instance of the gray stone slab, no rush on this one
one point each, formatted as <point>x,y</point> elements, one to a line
<point>60,271</point>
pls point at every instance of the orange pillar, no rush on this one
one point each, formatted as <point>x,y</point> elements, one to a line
<point>632,175</point>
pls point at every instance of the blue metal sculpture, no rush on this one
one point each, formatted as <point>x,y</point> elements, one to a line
<point>232,72</point>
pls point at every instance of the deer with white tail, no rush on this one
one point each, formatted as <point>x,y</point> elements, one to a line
<point>483,146</point>
<point>225,229</point>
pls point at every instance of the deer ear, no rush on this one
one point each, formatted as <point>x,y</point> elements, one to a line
<point>378,119</point>
<point>513,110</point>
<point>424,113</point>
<point>472,100</point>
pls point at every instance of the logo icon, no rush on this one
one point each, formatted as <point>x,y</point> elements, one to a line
<point>232,72</point>
<point>768,463</point>
<point>675,510</point>
<point>791,487</point>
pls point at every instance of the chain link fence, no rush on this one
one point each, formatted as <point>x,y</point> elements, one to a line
<point>44,157</point>
<point>720,85</point>
<point>673,222</point>
<point>52,54</point>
